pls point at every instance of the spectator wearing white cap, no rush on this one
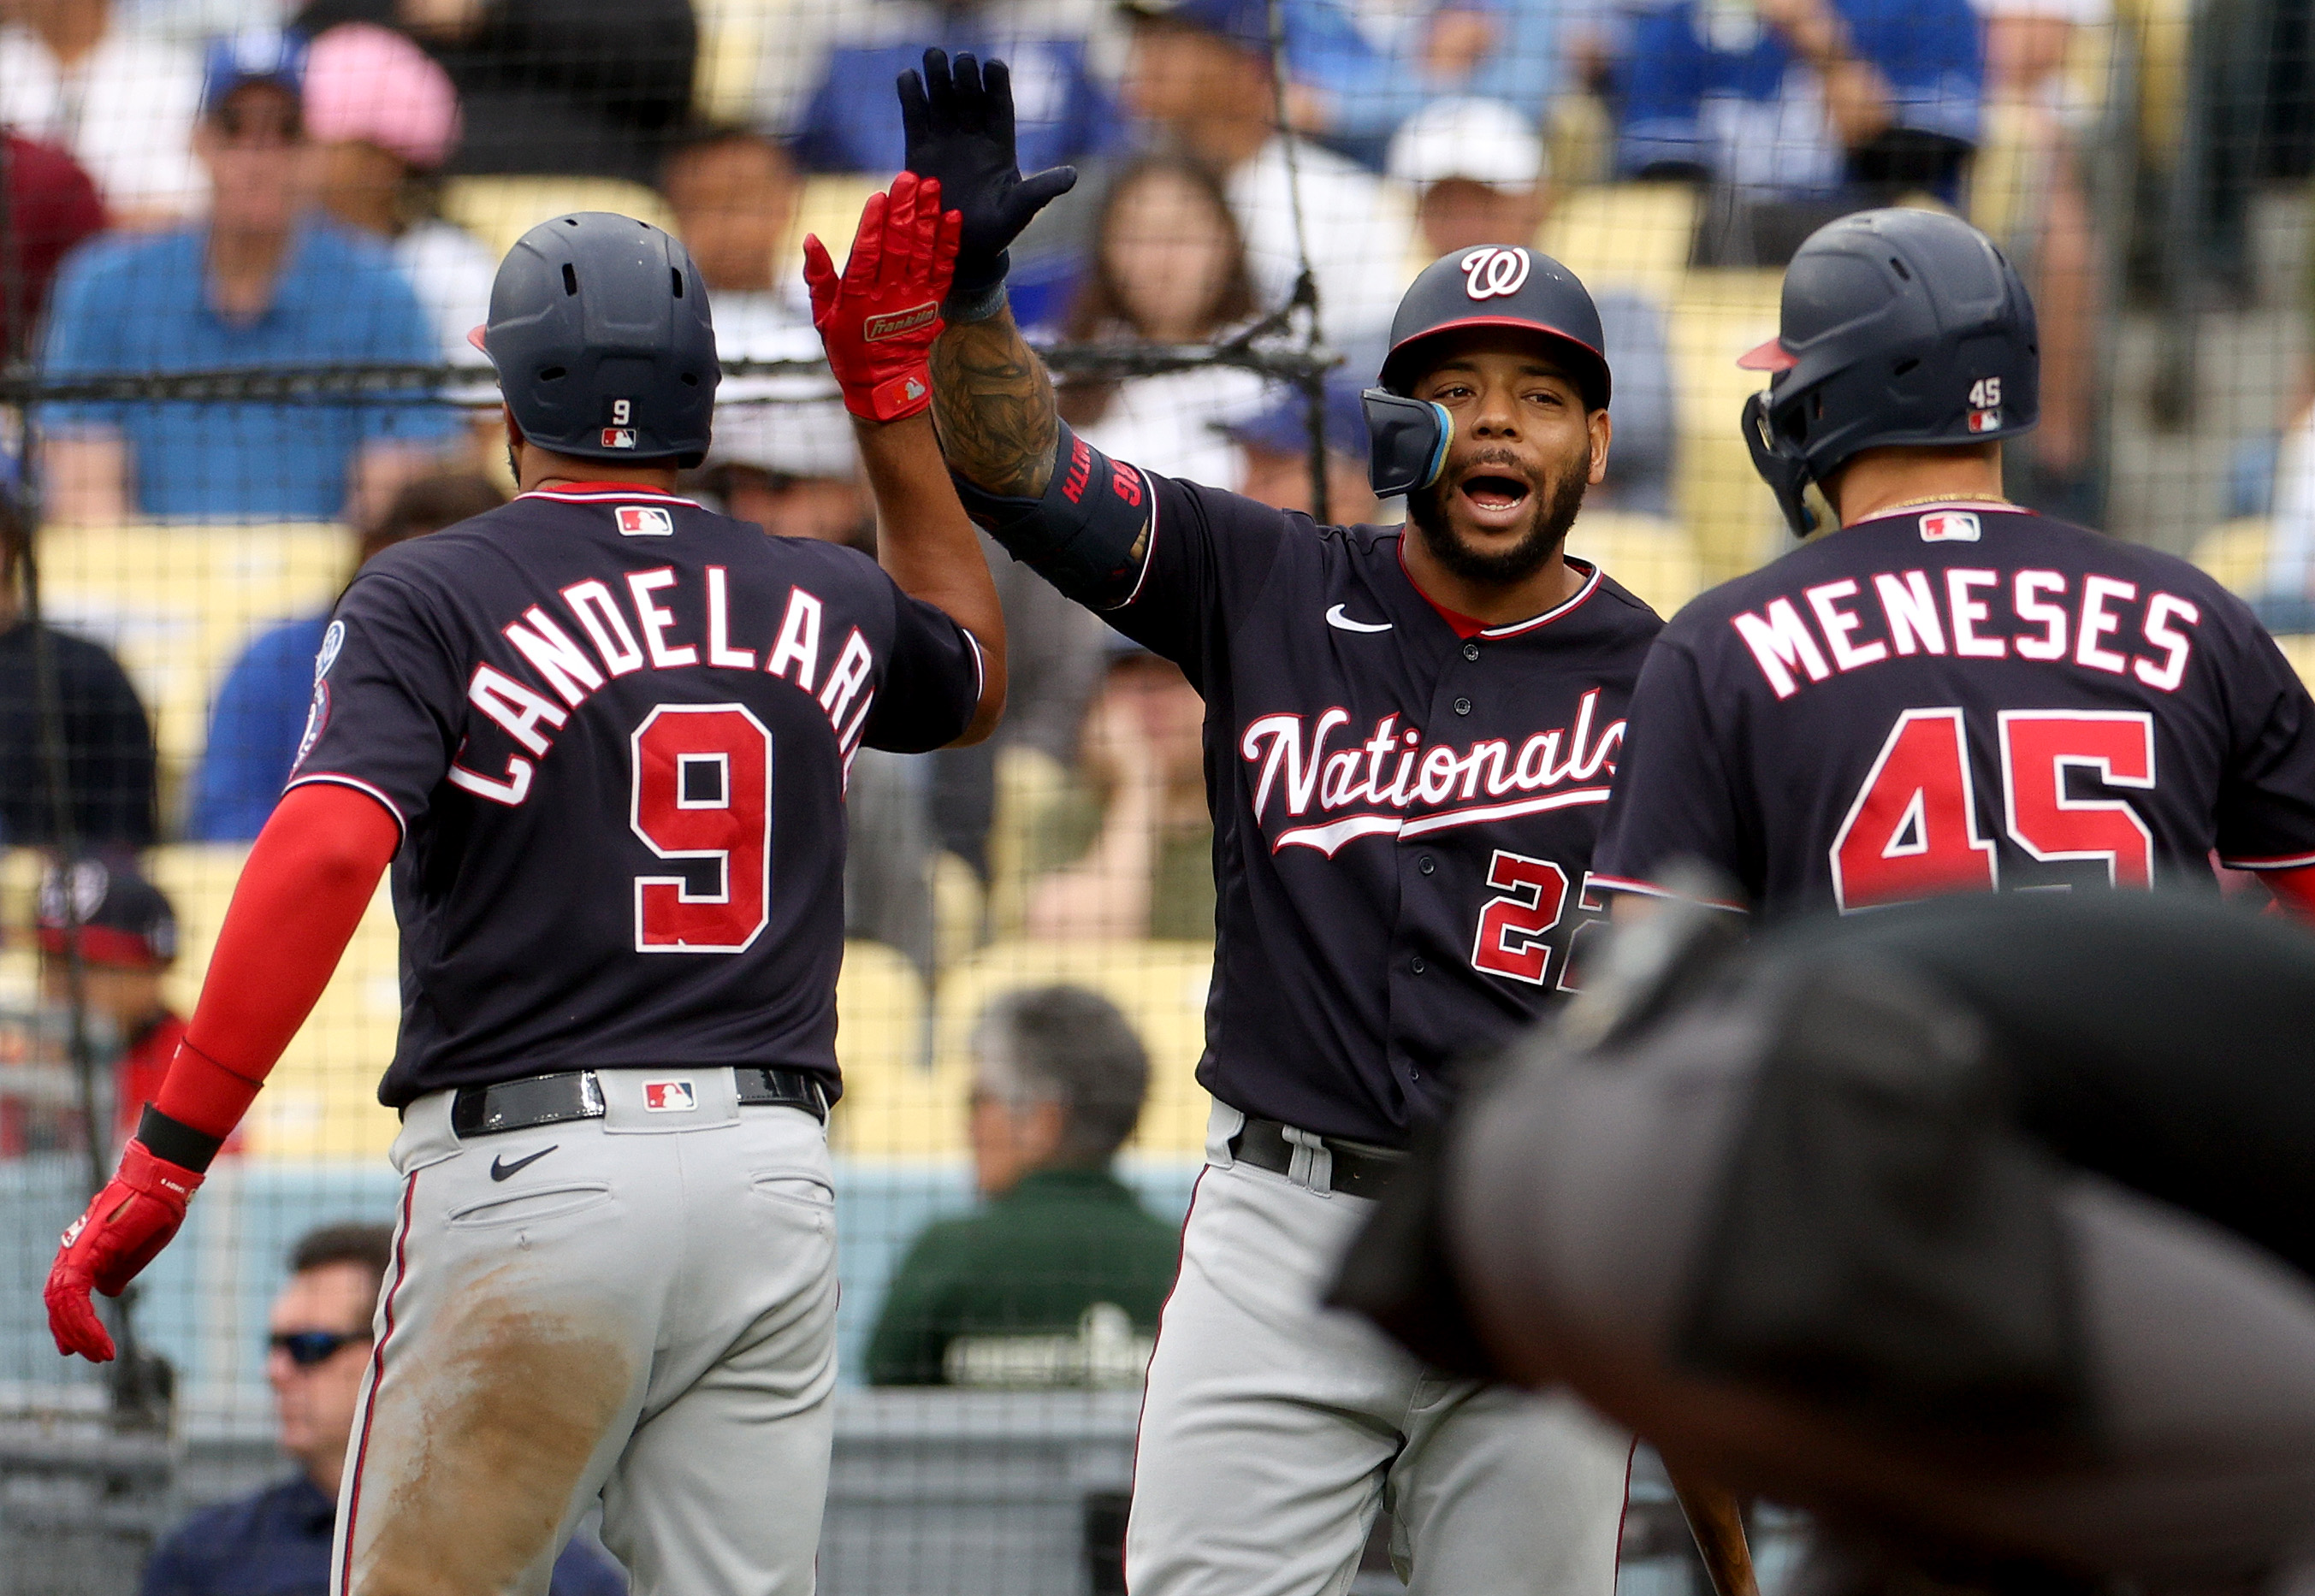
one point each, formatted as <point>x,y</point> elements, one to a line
<point>1480,176</point>
<point>385,118</point>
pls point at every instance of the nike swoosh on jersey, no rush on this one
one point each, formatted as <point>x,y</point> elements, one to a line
<point>501,1168</point>
<point>1340,622</point>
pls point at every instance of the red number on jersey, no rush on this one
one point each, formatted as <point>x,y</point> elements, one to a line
<point>1911,831</point>
<point>703,790</point>
<point>1512,928</point>
<point>2039,749</point>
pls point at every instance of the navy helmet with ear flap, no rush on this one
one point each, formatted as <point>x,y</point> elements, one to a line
<point>1491,286</point>
<point>1898,326</point>
<point>600,335</point>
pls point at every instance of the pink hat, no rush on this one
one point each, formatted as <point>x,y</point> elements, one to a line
<point>365,83</point>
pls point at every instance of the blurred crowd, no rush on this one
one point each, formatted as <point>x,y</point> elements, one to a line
<point>201,184</point>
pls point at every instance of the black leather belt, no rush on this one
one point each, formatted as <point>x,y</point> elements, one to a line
<point>1358,1171</point>
<point>578,1094</point>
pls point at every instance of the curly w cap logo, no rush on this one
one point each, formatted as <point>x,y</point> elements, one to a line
<point>1493,272</point>
<point>891,324</point>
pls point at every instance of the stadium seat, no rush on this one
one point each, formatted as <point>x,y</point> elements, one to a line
<point>321,1102</point>
<point>1649,555</point>
<point>881,1044</point>
<point>498,211</point>
<point>732,35</point>
<point>2234,555</point>
<point>1634,235</point>
<point>1161,986</point>
<point>178,603</point>
<point>1716,316</point>
<point>829,206</point>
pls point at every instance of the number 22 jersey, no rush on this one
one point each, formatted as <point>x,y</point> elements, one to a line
<point>1961,697</point>
<point>614,729</point>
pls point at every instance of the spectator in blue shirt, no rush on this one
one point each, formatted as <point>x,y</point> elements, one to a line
<point>277,1542</point>
<point>1831,104</point>
<point>1064,115</point>
<point>260,283</point>
<point>258,716</point>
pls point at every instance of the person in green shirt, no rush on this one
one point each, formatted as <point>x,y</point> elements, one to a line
<point>1057,1279</point>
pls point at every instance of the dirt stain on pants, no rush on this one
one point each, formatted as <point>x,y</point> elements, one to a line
<point>480,1431</point>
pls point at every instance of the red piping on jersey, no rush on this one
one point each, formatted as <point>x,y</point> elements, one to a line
<point>344,1582</point>
<point>596,492</point>
<point>1467,626</point>
<point>1989,506</point>
<point>1646,889</point>
<point>2294,862</point>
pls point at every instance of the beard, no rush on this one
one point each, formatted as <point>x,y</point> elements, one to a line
<point>1550,515</point>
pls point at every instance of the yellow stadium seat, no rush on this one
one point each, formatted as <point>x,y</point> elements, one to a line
<point>732,35</point>
<point>1649,555</point>
<point>1716,316</point>
<point>1636,235</point>
<point>2300,651</point>
<point>179,603</point>
<point>2234,555</point>
<point>498,211</point>
<point>321,1101</point>
<point>830,205</point>
<point>1161,986</point>
<point>881,1044</point>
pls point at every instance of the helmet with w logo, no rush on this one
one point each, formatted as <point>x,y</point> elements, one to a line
<point>1505,285</point>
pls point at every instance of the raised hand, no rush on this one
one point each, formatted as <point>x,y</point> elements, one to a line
<point>959,120</point>
<point>878,321</point>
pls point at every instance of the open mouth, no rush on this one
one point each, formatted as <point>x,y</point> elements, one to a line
<point>1492,494</point>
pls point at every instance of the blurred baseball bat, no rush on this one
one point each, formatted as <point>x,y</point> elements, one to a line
<point>1717,1523</point>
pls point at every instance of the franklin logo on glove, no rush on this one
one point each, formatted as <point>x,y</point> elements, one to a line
<point>877,328</point>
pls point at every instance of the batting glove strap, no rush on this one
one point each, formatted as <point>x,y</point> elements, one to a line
<point>170,1141</point>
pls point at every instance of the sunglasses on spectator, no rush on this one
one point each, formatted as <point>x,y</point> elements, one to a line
<point>306,1348</point>
<point>240,124</point>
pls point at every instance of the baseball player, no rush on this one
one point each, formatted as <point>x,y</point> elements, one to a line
<point>602,734</point>
<point>1948,693</point>
<point>2088,1362</point>
<point>1408,741</point>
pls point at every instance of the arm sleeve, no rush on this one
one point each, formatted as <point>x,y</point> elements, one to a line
<point>1672,799</point>
<point>933,680</point>
<point>389,702</point>
<point>1209,554</point>
<point>2267,794</point>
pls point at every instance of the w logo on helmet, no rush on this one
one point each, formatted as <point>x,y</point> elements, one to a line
<point>1493,272</point>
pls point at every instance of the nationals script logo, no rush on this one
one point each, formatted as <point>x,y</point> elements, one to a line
<point>1493,272</point>
<point>1557,769</point>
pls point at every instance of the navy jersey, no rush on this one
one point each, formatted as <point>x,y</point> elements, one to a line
<point>614,729</point>
<point>1960,698</point>
<point>1403,815</point>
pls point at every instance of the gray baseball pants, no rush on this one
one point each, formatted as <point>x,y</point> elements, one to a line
<point>1274,1430</point>
<point>641,1307</point>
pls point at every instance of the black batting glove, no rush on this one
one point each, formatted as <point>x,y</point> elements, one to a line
<point>959,120</point>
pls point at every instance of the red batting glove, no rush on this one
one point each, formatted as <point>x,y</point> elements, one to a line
<point>123,1230</point>
<point>879,320</point>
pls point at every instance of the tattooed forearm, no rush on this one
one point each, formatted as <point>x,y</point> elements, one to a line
<point>993,405</point>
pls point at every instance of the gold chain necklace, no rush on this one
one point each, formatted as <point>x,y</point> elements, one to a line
<point>1948,499</point>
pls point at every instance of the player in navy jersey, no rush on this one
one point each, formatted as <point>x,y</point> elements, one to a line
<point>1947,693</point>
<point>602,735</point>
<point>1409,737</point>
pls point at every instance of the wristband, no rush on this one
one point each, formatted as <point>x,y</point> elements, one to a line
<point>976,305</point>
<point>175,1142</point>
<point>1085,535</point>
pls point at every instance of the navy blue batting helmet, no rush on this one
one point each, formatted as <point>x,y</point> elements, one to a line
<point>1898,327</point>
<point>1492,285</point>
<point>600,335</point>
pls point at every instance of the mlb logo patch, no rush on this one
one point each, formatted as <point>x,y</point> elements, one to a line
<point>1984,420</point>
<point>644,520</point>
<point>619,438</point>
<point>670,1096</point>
<point>1949,525</point>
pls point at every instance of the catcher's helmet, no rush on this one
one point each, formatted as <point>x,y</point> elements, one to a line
<point>1492,285</point>
<point>601,333</point>
<point>1898,327</point>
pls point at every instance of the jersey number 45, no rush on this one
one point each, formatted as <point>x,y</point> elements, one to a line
<point>1912,829</point>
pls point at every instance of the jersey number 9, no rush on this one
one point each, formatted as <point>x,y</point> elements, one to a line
<point>702,790</point>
